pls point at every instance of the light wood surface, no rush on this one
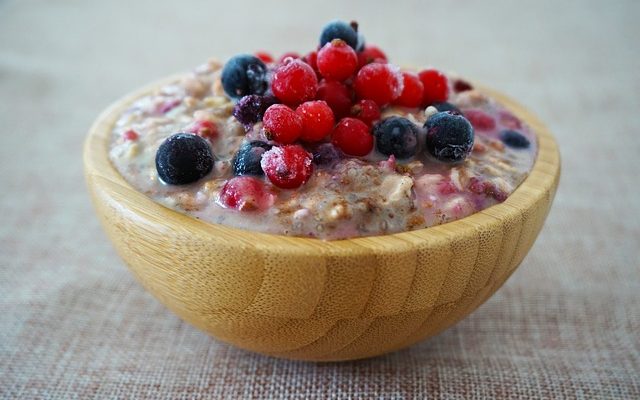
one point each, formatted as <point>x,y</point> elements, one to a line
<point>315,300</point>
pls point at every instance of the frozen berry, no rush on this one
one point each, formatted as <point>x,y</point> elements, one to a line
<point>352,136</point>
<point>264,57</point>
<point>480,120</point>
<point>183,158</point>
<point>250,109</point>
<point>412,91</point>
<point>336,95</point>
<point>396,136</point>
<point>337,61</point>
<point>366,111</point>
<point>461,86</point>
<point>204,128</point>
<point>287,167</point>
<point>130,135</point>
<point>247,159</point>
<point>246,193</point>
<point>381,83</point>
<point>317,120</point>
<point>449,136</point>
<point>244,74</point>
<point>325,154</point>
<point>294,82</point>
<point>291,54</point>
<point>371,54</point>
<point>282,124</point>
<point>514,139</point>
<point>312,60</point>
<point>339,30</point>
<point>446,106</point>
<point>436,86</point>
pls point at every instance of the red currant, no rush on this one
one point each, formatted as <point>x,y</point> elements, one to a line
<point>480,120</point>
<point>336,95</point>
<point>290,54</point>
<point>287,167</point>
<point>282,124</point>
<point>366,111</point>
<point>337,60</point>
<point>246,193</point>
<point>371,54</point>
<point>381,83</point>
<point>312,60</point>
<point>264,56</point>
<point>317,120</point>
<point>461,86</point>
<point>130,135</point>
<point>436,86</point>
<point>204,128</point>
<point>412,91</point>
<point>352,136</point>
<point>294,82</point>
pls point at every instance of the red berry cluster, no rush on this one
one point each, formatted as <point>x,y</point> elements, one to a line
<point>335,94</point>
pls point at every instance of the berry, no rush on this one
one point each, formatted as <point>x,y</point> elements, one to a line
<point>436,86</point>
<point>183,158</point>
<point>366,111</point>
<point>412,91</point>
<point>290,54</point>
<point>326,154</point>
<point>449,136</point>
<point>480,120</point>
<point>312,60</point>
<point>317,120</point>
<point>247,159</point>
<point>381,83</point>
<point>244,74</point>
<point>245,193</point>
<point>337,61</point>
<point>514,139</point>
<point>461,86</point>
<point>294,82</point>
<point>339,30</point>
<point>396,136</point>
<point>352,136</point>
<point>204,128</point>
<point>282,124</point>
<point>446,106</point>
<point>509,120</point>
<point>371,54</point>
<point>264,57</point>
<point>336,95</point>
<point>130,135</point>
<point>250,109</point>
<point>287,167</point>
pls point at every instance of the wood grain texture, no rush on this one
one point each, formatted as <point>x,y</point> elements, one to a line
<point>309,299</point>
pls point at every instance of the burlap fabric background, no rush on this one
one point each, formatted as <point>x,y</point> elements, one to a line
<point>74,323</point>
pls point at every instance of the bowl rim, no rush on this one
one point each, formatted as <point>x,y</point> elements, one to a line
<point>100,173</point>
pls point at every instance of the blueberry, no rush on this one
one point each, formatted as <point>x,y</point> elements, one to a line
<point>251,108</point>
<point>446,106</point>
<point>244,74</point>
<point>514,139</point>
<point>339,30</point>
<point>183,158</point>
<point>397,136</point>
<point>247,159</point>
<point>449,136</point>
<point>325,154</point>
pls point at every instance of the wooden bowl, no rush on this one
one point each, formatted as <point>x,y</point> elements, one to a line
<point>309,299</point>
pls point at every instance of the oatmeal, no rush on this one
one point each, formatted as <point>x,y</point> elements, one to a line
<point>321,149</point>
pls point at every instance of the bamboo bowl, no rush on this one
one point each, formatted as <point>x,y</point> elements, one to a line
<point>308,299</point>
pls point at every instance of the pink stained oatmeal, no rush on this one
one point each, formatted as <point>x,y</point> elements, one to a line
<point>344,196</point>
